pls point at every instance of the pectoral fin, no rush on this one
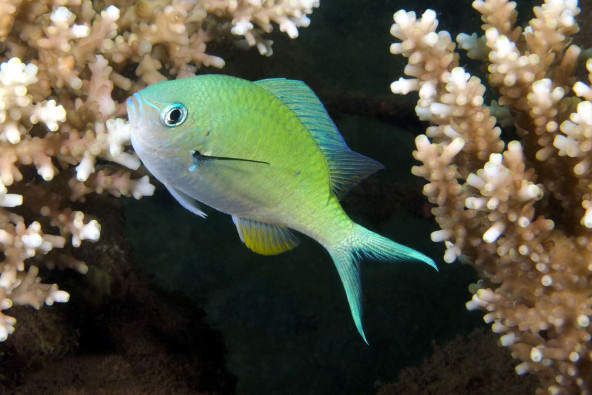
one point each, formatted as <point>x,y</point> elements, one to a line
<point>186,201</point>
<point>199,158</point>
<point>263,238</point>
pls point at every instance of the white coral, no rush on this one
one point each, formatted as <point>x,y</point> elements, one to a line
<point>17,106</point>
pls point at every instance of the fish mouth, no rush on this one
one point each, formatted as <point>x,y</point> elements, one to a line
<point>134,115</point>
<point>134,107</point>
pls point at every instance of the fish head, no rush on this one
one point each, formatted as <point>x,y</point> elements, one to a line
<point>159,118</point>
<point>166,125</point>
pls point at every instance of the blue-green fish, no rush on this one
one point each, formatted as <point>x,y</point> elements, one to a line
<point>267,153</point>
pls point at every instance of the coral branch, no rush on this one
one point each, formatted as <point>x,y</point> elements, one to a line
<point>66,68</point>
<point>520,212</point>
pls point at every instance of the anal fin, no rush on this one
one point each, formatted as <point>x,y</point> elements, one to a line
<point>264,238</point>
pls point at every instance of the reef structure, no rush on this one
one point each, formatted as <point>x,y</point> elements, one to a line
<point>520,211</point>
<point>66,68</point>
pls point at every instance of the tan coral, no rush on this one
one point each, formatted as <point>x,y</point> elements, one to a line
<point>66,68</point>
<point>252,18</point>
<point>520,213</point>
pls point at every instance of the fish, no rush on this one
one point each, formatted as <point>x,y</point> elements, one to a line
<point>268,154</point>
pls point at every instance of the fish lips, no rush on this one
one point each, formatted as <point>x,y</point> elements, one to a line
<point>133,104</point>
<point>134,115</point>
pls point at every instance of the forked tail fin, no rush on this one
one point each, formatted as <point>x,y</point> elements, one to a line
<point>363,243</point>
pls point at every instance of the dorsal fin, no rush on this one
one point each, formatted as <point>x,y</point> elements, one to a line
<point>263,238</point>
<point>346,167</point>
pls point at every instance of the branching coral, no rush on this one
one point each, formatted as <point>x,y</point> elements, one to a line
<point>520,212</point>
<point>66,67</point>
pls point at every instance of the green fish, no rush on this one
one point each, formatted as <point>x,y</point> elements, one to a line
<point>267,153</point>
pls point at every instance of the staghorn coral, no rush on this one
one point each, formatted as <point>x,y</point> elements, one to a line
<point>66,68</point>
<point>521,212</point>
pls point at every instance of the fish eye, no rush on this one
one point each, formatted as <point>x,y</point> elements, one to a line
<point>173,115</point>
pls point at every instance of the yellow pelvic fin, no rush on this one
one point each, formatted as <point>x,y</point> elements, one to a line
<point>263,238</point>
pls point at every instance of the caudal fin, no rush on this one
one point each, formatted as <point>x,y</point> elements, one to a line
<point>363,243</point>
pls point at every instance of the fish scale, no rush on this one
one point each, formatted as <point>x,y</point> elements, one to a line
<point>283,143</point>
<point>267,153</point>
